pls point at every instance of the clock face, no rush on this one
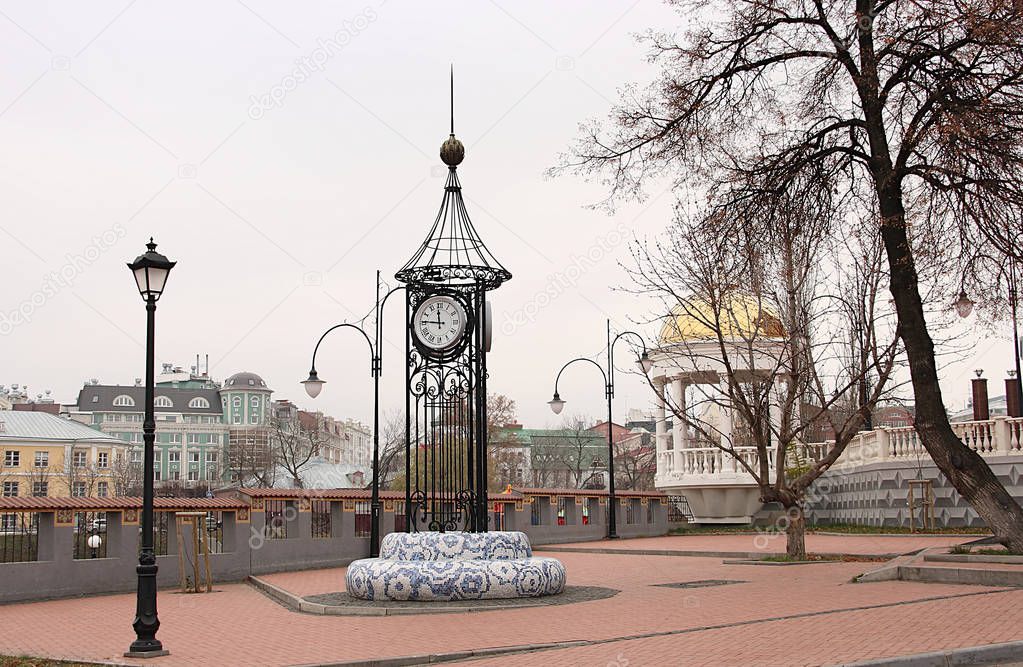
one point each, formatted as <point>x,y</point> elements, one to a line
<point>439,322</point>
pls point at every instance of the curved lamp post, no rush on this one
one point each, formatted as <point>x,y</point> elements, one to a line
<point>558,404</point>
<point>314,385</point>
<point>151,270</point>
<point>964,306</point>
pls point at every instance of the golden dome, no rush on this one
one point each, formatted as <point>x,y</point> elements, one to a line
<point>744,317</point>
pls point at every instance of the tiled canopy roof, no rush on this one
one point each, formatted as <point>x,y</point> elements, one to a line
<point>118,503</point>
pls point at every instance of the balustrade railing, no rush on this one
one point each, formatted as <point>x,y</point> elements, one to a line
<point>1001,436</point>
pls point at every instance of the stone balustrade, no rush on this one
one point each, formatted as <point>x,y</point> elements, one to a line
<point>719,489</point>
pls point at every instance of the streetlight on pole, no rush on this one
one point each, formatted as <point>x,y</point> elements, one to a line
<point>151,270</point>
<point>314,385</point>
<point>964,306</point>
<point>557,405</point>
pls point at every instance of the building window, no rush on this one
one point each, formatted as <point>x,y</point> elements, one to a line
<point>156,475</point>
<point>102,489</point>
<point>211,457</point>
<point>40,489</point>
<point>363,518</point>
<point>175,475</point>
<point>193,475</point>
<point>12,458</point>
<point>136,456</point>
<point>78,489</point>
<point>103,460</point>
<point>211,474</point>
<point>10,489</point>
<point>193,457</point>
<point>253,419</point>
<point>174,456</point>
<point>42,459</point>
<point>78,459</point>
<point>237,401</point>
<point>123,401</point>
<point>199,403</point>
<point>163,402</point>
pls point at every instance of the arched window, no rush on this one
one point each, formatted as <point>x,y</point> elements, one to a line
<point>237,401</point>
<point>163,402</point>
<point>123,401</point>
<point>199,402</point>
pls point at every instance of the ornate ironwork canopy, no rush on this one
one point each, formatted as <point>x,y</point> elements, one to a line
<point>453,253</point>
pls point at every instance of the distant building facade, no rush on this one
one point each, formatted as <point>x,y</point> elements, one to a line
<point>47,456</point>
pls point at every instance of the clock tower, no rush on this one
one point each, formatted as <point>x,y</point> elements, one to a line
<point>447,340</point>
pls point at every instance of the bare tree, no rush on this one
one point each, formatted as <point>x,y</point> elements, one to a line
<point>763,315</point>
<point>392,450</point>
<point>294,443</point>
<point>126,474</point>
<point>78,472</point>
<point>635,463</point>
<point>911,109</point>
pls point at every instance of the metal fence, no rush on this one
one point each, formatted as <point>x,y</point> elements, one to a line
<point>678,510</point>
<point>363,518</point>
<point>276,525</point>
<point>320,519</point>
<point>90,539</point>
<point>214,525</point>
<point>19,537</point>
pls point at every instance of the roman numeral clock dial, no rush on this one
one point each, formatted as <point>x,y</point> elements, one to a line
<point>439,322</point>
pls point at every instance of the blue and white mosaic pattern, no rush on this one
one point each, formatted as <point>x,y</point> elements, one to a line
<point>455,566</point>
<point>455,546</point>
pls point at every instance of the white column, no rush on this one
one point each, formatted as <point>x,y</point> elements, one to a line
<point>725,424</point>
<point>678,428</point>
<point>774,410</point>
<point>661,432</point>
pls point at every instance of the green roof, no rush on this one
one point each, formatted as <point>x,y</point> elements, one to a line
<point>42,426</point>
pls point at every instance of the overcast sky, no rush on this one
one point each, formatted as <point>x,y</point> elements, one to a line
<point>281,154</point>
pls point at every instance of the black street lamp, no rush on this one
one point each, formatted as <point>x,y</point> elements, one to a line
<point>964,306</point>
<point>151,270</point>
<point>314,385</point>
<point>557,405</point>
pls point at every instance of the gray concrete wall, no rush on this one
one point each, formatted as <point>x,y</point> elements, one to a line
<point>876,494</point>
<point>247,549</point>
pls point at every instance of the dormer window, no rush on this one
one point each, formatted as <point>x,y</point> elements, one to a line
<point>163,402</point>
<point>199,403</point>
<point>121,401</point>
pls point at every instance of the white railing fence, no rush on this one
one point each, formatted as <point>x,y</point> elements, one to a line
<point>1001,436</point>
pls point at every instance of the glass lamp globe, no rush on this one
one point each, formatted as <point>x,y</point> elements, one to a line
<point>557,405</point>
<point>313,384</point>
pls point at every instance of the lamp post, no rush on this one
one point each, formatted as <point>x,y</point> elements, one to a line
<point>314,385</point>
<point>558,404</point>
<point>964,306</point>
<point>151,270</point>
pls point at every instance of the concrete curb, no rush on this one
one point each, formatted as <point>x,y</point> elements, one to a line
<point>755,561</point>
<point>431,658</point>
<point>301,605</point>
<point>743,555</point>
<point>973,558</point>
<point>991,654</point>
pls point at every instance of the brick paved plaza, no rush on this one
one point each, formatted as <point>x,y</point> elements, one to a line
<point>791,615</point>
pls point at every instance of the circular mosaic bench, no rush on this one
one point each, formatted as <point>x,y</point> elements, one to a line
<point>455,566</point>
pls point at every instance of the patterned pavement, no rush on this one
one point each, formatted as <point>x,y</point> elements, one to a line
<point>794,615</point>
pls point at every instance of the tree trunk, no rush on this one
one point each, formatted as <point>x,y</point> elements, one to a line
<point>968,473</point>
<point>795,533</point>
